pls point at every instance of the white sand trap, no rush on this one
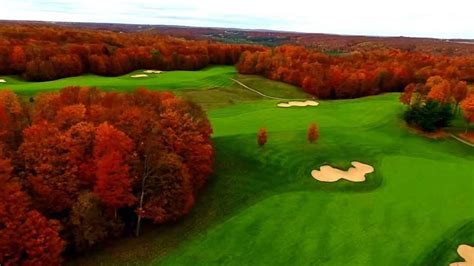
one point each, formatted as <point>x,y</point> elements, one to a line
<point>298,104</point>
<point>152,71</point>
<point>355,174</point>
<point>467,253</point>
<point>139,76</point>
<point>2,81</point>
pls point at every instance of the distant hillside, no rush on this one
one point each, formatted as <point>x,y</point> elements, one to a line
<point>330,43</point>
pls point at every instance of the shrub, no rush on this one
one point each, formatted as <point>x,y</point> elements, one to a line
<point>429,116</point>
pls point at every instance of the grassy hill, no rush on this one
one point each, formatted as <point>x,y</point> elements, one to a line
<point>210,77</point>
<point>262,206</point>
<point>211,87</point>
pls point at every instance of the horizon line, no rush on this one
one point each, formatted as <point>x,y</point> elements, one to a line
<point>239,28</point>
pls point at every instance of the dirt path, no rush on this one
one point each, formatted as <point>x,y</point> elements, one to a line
<point>461,140</point>
<point>264,95</point>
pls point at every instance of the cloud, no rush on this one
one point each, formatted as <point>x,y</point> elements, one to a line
<point>433,18</point>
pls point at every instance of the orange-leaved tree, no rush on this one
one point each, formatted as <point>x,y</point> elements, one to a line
<point>407,94</point>
<point>313,133</point>
<point>467,106</point>
<point>459,93</point>
<point>262,137</point>
<point>441,92</point>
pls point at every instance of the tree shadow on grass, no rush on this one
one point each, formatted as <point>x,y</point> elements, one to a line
<point>444,251</point>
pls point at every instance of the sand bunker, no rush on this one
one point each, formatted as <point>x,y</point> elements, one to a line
<point>298,104</point>
<point>355,174</point>
<point>2,81</point>
<point>467,253</point>
<point>139,76</point>
<point>152,71</point>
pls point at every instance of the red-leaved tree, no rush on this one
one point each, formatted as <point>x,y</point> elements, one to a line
<point>114,185</point>
<point>26,236</point>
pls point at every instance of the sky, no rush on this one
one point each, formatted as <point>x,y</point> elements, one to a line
<point>414,18</point>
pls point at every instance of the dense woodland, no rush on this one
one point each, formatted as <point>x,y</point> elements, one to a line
<point>355,74</point>
<point>80,166</point>
<point>39,52</point>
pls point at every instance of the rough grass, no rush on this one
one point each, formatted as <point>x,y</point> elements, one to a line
<point>262,207</point>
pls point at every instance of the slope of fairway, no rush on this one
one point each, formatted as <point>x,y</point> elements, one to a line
<point>391,226</point>
<point>211,77</point>
<point>420,191</point>
<point>360,113</point>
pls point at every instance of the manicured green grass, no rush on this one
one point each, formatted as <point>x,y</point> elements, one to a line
<point>426,189</point>
<point>262,207</point>
<point>211,77</point>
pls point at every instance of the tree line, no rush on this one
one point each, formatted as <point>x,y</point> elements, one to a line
<point>81,165</point>
<point>354,74</point>
<point>39,52</point>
